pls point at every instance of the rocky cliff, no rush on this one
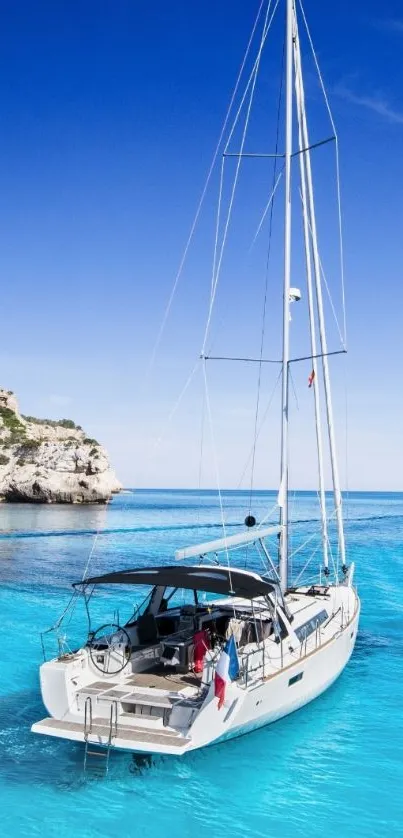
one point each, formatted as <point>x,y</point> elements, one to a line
<point>47,461</point>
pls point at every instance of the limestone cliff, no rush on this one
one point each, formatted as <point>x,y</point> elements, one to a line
<point>46,461</point>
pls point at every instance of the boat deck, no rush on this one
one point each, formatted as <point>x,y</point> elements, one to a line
<point>126,737</point>
<point>156,677</point>
<point>160,678</point>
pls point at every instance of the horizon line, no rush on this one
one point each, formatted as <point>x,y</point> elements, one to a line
<point>254,491</point>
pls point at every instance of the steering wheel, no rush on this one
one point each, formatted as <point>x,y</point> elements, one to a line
<point>110,648</point>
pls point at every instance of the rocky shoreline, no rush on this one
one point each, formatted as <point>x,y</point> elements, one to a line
<point>48,461</point>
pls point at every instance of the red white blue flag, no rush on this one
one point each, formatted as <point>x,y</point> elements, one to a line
<point>227,669</point>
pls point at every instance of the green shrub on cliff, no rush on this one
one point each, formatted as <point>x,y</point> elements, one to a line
<point>14,426</point>
<point>30,445</point>
<point>10,419</point>
<point>54,423</point>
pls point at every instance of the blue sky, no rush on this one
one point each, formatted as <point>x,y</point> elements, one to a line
<point>109,116</point>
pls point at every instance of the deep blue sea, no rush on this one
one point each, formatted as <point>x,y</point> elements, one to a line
<point>334,768</point>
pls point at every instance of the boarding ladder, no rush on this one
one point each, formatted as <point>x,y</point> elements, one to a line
<point>97,755</point>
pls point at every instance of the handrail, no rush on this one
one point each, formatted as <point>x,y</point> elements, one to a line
<point>303,652</point>
<point>325,625</point>
<point>247,670</point>
<point>300,652</point>
<point>87,713</point>
<point>113,721</point>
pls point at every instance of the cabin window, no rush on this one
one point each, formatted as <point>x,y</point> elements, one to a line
<point>295,678</point>
<point>310,626</point>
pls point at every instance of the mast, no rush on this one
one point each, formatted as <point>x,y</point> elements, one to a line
<point>311,309</point>
<point>319,300</point>
<point>283,494</point>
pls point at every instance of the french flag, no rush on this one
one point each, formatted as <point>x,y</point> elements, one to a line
<point>227,669</point>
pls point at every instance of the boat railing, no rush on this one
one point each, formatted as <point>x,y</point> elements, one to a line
<point>260,667</point>
<point>345,615</point>
<point>303,647</point>
<point>113,722</point>
<point>87,717</point>
<point>339,611</point>
<point>276,662</point>
<point>60,644</point>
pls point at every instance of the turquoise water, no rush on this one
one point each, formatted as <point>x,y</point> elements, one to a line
<point>334,768</point>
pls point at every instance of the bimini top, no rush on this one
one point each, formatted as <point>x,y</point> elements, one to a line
<point>215,580</point>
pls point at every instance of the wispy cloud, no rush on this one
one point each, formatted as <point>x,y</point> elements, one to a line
<point>393,25</point>
<point>376,102</point>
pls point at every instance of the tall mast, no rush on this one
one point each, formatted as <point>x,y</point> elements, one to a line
<point>283,499</point>
<point>321,318</point>
<point>311,309</point>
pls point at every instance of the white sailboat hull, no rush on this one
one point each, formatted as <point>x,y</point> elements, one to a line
<point>274,699</point>
<point>268,690</point>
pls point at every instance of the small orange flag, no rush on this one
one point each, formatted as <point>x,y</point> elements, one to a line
<point>311,378</point>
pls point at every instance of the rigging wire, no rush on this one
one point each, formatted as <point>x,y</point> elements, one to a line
<point>217,228</point>
<point>346,453</point>
<point>267,516</point>
<point>219,243</point>
<point>199,207</point>
<point>203,414</point>
<point>334,564</point>
<point>263,325</point>
<point>266,209</point>
<point>203,194</point>
<point>176,405</point>
<point>340,220</point>
<point>260,428</point>
<point>266,558</point>
<point>157,443</point>
<point>217,267</point>
<point>94,544</point>
<point>336,320</point>
<point>217,472</point>
<point>293,389</point>
<point>73,600</point>
<point>307,564</point>
<point>266,27</point>
<point>159,440</point>
<point>311,537</point>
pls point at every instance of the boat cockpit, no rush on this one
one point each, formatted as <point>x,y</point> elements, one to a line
<point>184,621</point>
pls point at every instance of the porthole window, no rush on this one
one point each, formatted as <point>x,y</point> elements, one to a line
<point>295,679</point>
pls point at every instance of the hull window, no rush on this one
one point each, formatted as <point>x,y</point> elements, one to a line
<point>310,626</point>
<point>295,678</point>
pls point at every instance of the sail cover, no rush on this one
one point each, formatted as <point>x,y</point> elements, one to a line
<point>216,580</point>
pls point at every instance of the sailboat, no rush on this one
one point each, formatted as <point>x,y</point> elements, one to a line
<point>240,649</point>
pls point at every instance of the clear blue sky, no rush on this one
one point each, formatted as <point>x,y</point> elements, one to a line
<point>109,115</point>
